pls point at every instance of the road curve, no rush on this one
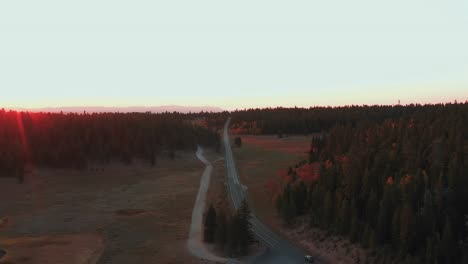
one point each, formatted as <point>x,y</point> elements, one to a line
<point>279,250</point>
<point>194,243</point>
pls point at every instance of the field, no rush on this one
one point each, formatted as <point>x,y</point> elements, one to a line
<point>105,214</point>
<point>260,160</point>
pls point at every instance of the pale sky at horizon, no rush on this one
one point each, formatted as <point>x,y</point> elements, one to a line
<point>232,54</point>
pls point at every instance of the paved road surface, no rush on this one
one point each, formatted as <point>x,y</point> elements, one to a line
<point>279,250</point>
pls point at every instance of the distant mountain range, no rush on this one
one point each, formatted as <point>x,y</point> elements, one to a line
<point>127,109</point>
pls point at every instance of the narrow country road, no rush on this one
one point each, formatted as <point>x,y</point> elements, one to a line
<point>279,250</point>
<point>194,243</point>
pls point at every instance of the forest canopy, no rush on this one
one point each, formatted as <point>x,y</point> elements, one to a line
<point>391,178</point>
<point>297,120</point>
<point>72,140</point>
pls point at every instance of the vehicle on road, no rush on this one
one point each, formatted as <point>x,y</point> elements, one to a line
<point>309,259</point>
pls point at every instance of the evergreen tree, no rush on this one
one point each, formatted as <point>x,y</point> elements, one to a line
<point>448,243</point>
<point>354,229</point>
<point>428,213</point>
<point>407,225</point>
<point>384,217</point>
<point>288,206</point>
<point>327,209</point>
<point>238,142</point>
<point>300,198</point>
<point>372,207</point>
<point>221,229</point>
<point>233,237</point>
<point>465,243</point>
<point>246,236</point>
<point>279,203</point>
<point>396,227</point>
<point>344,217</point>
<point>210,225</point>
<point>430,251</point>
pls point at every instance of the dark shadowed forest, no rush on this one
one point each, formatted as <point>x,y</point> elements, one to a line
<point>73,140</point>
<point>393,179</point>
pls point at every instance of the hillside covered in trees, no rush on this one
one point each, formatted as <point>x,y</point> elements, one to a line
<point>394,179</point>
<point>72,140</point>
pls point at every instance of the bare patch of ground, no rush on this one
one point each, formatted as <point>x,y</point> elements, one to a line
<point>143,214</point>
<point>329,249</point>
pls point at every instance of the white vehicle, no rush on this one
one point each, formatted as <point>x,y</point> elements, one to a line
<point>309,259</point>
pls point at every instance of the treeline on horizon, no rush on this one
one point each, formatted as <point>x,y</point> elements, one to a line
<point>72,140</point>
<point>394,179</point>
<point>296,120</point>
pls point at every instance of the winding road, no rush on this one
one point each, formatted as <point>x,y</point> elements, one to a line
<point>279,250</point>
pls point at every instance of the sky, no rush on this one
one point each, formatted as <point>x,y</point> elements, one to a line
<point>232,54</point>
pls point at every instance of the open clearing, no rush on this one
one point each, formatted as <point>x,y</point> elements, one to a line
<point>73,249</point>
<point>260,160</point>
<point>125,214</point>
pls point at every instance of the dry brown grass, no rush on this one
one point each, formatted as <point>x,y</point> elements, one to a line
<point>142,213</point>
<point>72,249</point>
<point>260,160</point>
<point>216,194</point>
<point>296,145</point>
